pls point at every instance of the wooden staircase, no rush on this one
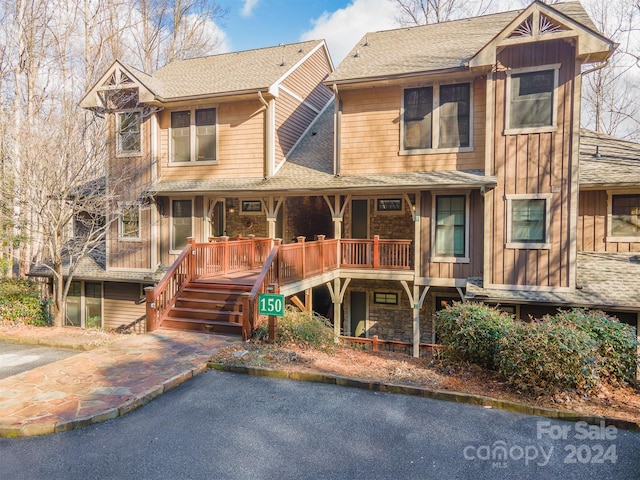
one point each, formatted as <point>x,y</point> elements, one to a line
<point>208,306</point>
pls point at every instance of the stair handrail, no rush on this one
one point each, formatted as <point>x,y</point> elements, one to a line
<point>158,304</point>
<point>249,312</point>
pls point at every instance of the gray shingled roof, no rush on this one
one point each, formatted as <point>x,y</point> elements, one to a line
<point>607,161</point>
<point>605,280</point>
<point>433,47</point>
<point>249,70</point>
<point>310,169</point>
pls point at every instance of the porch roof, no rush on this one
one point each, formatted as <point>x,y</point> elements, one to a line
<point>607,161</point>
<point>604,280</point>
<point>304,180</point>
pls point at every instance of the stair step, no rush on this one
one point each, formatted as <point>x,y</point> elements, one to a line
<point>209,304</point>
<point>202,325</point>
<point>202,314</point>
<point>190,292</point>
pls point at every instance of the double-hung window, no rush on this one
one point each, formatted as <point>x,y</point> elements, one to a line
<point>451,228</point>
<point>625,217</point>
<point>129,135</point>
<point>528,221</point>
<point>193,135</point>
<point>531,99</point>
<point>129,223</point>
<point>437,117</point>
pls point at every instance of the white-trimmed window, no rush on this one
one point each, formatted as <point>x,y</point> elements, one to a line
<point>194,136</point>
<point>450,229</point>
<point>531,97</point>
<point>129,222</point>
<point>129,140</point>
<point>437,117</point>
<point>181,223</point>
<point>529,221</point>
<point>624,217</point>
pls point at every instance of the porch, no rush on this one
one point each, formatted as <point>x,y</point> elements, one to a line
<point>218,282</point>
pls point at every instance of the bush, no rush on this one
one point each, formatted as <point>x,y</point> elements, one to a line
<point>547,356</point>
<point>472,332</point>
<point>302,328</point>
<point>20,302</point>
<point>616,342</point>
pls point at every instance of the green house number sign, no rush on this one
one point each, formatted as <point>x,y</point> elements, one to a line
<point>271,304</point>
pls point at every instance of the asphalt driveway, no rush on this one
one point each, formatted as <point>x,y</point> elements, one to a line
<point>231,426</point>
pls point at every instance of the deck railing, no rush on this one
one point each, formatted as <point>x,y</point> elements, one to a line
<point>279,264</point>
<point>427,350</point>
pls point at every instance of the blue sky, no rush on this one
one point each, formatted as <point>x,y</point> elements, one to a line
<point>261,23</point>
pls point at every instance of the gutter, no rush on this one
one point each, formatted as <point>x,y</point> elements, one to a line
<point>337,115</point>
<point>269,133</point>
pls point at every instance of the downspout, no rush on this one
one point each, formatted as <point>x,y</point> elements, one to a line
<point>338,129</point>
<point>269,132</point>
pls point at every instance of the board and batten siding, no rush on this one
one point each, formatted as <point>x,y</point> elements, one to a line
<point>533,163</point>
<point>123,304</point>
<point>370,134</point>
<point>130,176</point>
<point>240,144</point>
<point>451,270</point>
<point>592,225</point>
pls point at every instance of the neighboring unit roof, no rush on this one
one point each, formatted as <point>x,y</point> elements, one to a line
<point>605,280</point>
<point>607,161</point>
<point>230,72</point>
<point>433,47</point>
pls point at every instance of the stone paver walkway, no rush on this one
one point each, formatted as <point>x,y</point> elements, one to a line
<point>104,383</point>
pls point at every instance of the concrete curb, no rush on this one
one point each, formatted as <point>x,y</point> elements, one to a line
<point>428,393</point>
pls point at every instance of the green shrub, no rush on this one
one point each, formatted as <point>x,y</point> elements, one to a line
<point>616,342</point>
<point>547,356</point>
<point>302,328</point>
<point>20,302</point>
<point>472,332</point>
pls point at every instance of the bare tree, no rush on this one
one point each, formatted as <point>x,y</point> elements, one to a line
<point>423,12</point>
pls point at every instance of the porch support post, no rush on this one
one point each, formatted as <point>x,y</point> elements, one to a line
<point>415,212</point>
<point>416,299</point>
<point>337,213</point>
<point>337,295</point>
<point>271,208</point>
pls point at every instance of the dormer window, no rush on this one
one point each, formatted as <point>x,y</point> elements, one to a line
<point>436,117</point>
<point>193,136</point>
<point>128,128</point>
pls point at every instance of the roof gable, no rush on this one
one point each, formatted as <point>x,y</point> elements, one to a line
<point>118,78</point>
<point>541,22</point>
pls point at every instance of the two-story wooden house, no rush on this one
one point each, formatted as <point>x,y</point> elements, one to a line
<point>435,163</point>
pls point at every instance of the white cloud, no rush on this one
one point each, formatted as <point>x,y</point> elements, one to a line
<point>343,28</point>
<point>248,7</point>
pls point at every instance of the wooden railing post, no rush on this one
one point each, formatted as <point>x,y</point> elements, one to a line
<point>252,254</point>
<point>322,260</point>
<point>150,308</point>
<point>301,240</point>
<point>374,343</point>
<point>192,257</point>
<point>225,254</point>
<point>376,251</point>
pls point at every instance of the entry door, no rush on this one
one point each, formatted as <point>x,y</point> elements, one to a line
<point>359,218</point>
<point>358,313</point>
<point>217,220</point>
